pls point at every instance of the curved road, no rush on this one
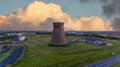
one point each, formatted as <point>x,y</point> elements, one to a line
<point>13,57</point>
<point>106,63</point>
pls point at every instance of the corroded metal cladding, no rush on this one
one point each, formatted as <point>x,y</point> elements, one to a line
<point>58,35</point>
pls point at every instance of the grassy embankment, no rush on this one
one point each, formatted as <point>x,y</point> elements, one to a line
<point>5,55</point>
<point>116,65</point>
<point>76,55</point>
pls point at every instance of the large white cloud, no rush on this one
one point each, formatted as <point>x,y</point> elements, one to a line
<point>91,23</point>
<point>39,16</point>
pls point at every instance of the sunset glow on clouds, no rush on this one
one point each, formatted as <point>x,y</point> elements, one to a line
<point>39,16</point>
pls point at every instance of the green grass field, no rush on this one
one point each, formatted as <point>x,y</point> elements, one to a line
<point>116,65</point>
<point>75,55</point>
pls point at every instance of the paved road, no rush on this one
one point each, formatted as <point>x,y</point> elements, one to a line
<point>106,63</point>
<point>13,57</point>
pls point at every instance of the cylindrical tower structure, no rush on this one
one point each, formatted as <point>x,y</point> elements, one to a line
<point>58,35</point>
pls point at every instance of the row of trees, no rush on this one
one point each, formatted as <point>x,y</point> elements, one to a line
<point>4,38</point>
<point>99,36</point>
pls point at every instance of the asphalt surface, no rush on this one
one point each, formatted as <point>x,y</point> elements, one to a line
<point>106,63</point>
<point>13,57</point>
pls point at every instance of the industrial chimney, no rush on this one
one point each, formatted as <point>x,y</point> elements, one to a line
<point>58,35</point>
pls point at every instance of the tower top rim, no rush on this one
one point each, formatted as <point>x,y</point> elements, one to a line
<point>58,22</point>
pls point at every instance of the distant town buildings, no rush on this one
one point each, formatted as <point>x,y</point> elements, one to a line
<point>12,38</point>
<point>101,33</point>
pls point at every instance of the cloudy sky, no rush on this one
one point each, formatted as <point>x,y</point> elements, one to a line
<point>72,7</point>
<point>80,15</point>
